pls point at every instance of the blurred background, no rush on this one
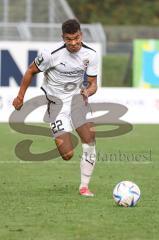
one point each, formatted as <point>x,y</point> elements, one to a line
<point>38,191</point>
<point>125,33</point>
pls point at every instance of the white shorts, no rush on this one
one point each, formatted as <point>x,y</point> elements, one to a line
<point>67,116</point>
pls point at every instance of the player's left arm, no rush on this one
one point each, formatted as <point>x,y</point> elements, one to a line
<point>91,89</point>
<point>92,85</point>
<point>91,76</point>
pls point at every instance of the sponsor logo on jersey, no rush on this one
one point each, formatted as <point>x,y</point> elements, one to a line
<point>71,73</point>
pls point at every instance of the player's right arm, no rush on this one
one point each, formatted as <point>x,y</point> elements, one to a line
<point>26,80</point>
<point>40,64</point>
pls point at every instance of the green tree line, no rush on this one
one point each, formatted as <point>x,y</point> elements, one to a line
<point>117,12</point>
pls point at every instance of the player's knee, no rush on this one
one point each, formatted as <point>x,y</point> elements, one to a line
<point>67,156</point>
<point>89,140</point>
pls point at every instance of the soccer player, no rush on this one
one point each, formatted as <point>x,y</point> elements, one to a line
<point>70,77</point>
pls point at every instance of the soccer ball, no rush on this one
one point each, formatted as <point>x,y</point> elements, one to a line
<point>126,194</point>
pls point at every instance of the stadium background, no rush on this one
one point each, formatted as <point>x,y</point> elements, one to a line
<point>38,198</point>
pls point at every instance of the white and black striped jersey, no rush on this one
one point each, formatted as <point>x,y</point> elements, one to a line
<point>64,71</point>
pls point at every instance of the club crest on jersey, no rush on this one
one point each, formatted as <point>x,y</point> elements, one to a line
<point>85,63</point>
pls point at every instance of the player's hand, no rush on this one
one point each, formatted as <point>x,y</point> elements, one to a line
<point>18,103</point>
<point>84,93</point>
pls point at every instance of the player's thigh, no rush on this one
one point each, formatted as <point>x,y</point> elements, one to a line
<point>86,132</point>
<point>64,145</point>
<point>61,128</point>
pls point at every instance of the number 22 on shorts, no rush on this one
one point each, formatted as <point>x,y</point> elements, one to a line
<point>57,126</point>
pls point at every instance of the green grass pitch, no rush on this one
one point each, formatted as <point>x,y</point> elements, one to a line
<point>40,201</point>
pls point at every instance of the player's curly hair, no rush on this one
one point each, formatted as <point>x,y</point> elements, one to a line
<point>71,26</point>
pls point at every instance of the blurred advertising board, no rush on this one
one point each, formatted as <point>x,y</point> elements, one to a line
<point>146,63</point>
<point>141,105</point>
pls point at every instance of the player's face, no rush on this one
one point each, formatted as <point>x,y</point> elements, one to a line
<point>73,41</point>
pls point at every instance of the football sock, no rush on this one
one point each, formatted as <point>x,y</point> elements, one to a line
<point>87,163</point>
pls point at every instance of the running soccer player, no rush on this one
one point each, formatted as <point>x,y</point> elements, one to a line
<point>65,68</point>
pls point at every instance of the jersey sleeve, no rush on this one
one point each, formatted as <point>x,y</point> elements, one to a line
<point>42,61</point>
<point>92,68</point>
